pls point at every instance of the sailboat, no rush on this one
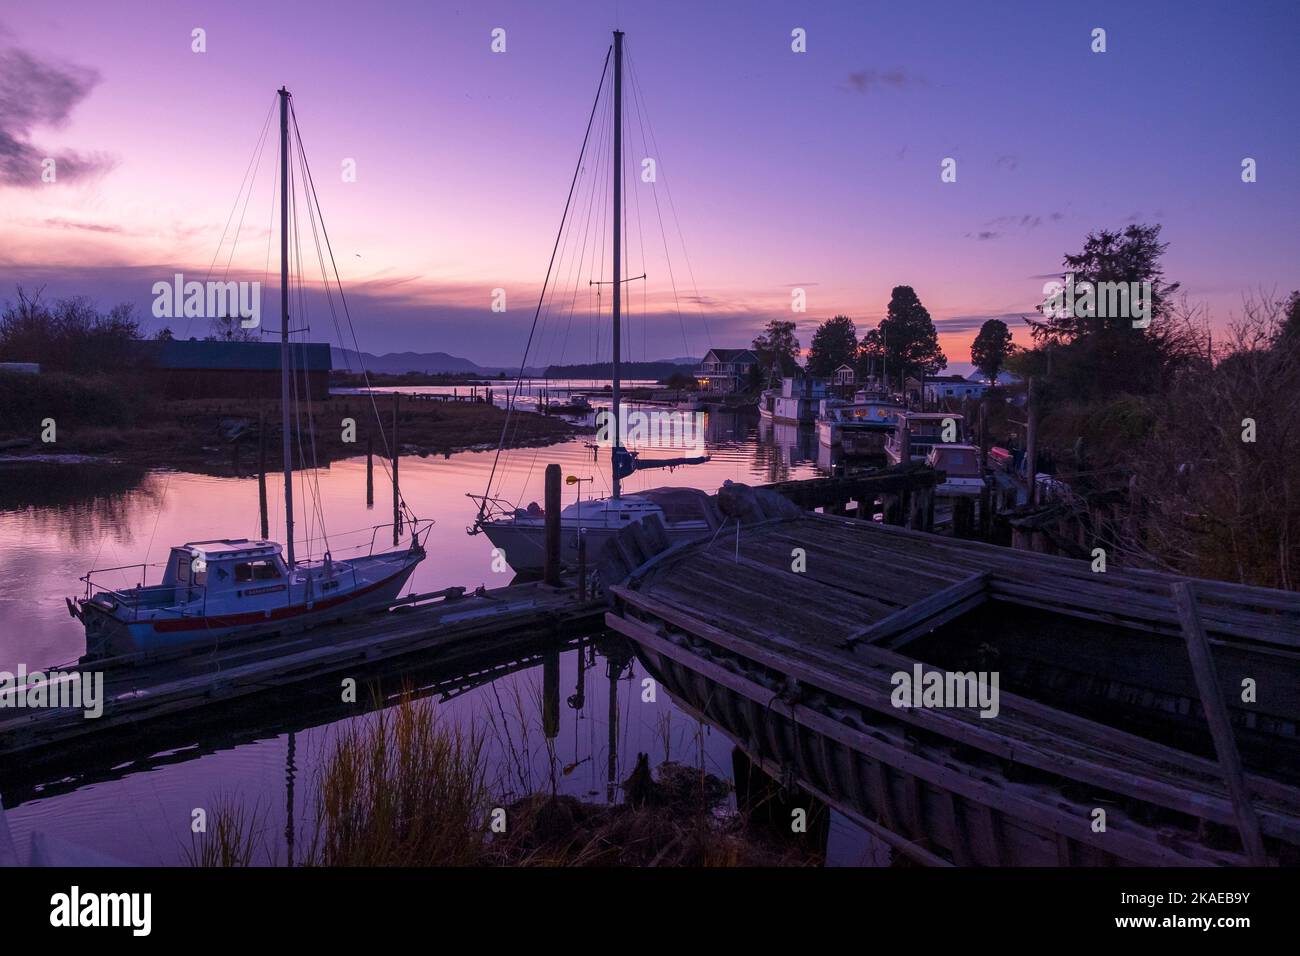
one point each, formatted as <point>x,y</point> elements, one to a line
<point>520,533</point>
<point>236,588</point>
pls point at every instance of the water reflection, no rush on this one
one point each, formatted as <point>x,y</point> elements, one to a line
<point>132,797</point>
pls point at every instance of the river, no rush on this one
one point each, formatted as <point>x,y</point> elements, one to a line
<point>138,810</point>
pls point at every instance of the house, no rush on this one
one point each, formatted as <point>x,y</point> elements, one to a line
<point>843,375</point>
<point>215,369</point>
<point>1005,379</point>
<point>941,388</point>
<point>726,370</point>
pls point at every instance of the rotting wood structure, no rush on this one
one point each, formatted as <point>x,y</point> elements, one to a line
<point>1099,707</point>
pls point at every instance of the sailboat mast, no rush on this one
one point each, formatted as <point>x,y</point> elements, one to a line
<point>618,244</point>
<point>284,323</point>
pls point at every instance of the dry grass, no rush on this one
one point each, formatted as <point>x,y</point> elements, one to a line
<point>401,788</point>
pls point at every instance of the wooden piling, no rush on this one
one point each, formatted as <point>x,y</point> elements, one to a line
<point>370,471</point>
<point>582,565</point>
<point>1031,443</point>
<point>552,563</point>
<point>261,473</point>
<point>397,497</point>
<point>1216,715</point>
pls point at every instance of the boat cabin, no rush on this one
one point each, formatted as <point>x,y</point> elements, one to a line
<point>238,567</point>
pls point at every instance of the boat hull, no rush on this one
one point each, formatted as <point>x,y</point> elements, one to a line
<point>524,549</point>
<point>109,635</point>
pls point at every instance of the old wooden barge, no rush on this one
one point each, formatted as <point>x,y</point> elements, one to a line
<point>787,633</point>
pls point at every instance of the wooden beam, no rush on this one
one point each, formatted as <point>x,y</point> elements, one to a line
<point>1216,714</point>
<point>919,619</point>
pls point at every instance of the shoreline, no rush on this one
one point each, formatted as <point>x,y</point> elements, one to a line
<point>220,437</point>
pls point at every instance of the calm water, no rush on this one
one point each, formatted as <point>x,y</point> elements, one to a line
<point>138,810</point>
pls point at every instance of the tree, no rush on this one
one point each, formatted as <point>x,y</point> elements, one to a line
<point>905,342</point>
<point>1131,256</point>
<point>835,343</point>
<point>1094,349</point>
<point>991,348</point>
<point>228,328</point>
<point>777,347</point>
<point>71,335</point>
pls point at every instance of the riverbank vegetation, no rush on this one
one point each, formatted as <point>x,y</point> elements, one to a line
<point>405,787</point>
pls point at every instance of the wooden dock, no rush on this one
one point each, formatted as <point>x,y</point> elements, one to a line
<point>414,631</point>
<point>1099,705</point>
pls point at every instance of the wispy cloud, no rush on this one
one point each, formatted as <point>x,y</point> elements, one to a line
<point>865,81</point>
<point>35,93</point>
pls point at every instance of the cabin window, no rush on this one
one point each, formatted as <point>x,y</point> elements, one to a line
<point>247,571</point>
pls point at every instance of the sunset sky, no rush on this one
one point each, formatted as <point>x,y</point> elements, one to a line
<point>818,170</point>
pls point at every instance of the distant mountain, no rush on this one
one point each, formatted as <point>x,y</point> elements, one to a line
<point>399,362</point>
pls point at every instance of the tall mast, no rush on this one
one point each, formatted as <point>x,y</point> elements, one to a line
<point>284,321</point>
<point>618,241</point>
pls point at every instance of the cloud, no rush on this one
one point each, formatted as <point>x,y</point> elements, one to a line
<point>864,81</point>
<point>57,223</point>
<point>983,236</point>
<point>972,323</point>
<point>38,93</point>
<point>1007,162</point>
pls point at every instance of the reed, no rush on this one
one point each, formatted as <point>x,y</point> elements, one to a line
<point>236,835</point>
<point>401,787</point>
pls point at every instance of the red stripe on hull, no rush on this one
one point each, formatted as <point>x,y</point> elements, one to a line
<point>259,617</point>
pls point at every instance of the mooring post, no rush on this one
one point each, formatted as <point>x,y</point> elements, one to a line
<point>261,472</point>
<point>370,471</point>
<point>397,497</point>
<point>552,565</point>
<point>1216,715</point>
<point>1031,443</point>
<point>582,564</point>
<point>551,693</point>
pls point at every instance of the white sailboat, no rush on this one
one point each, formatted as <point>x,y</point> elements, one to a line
<point>234,588</point>
<point>520,532</point>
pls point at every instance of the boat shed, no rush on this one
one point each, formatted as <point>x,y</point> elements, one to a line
<point>213,369</point>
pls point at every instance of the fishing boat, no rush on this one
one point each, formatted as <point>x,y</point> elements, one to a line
<point>799,400</point>
<point>915,433</point>
<point>859,427</point>
<point>234,588</point>
<point>520,532</point>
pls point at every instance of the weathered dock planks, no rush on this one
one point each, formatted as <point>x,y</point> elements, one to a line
<point>137,696</point>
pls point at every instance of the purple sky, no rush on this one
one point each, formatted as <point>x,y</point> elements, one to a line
<point>818,170</point>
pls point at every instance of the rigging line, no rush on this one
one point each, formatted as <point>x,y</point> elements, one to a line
<point>636,85</point>
<point>672,278</point>
<point>257,148</point>
<point>306,373</point>
<point>310,185</point>
<point>523,364</point>
<point>591,182</point>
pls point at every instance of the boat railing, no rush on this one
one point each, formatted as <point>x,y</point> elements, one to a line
<point>144,576</point>
<point>489,507</point>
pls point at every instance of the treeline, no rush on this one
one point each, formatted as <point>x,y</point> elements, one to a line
<point>904,343</point>
<point>67,335</point>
